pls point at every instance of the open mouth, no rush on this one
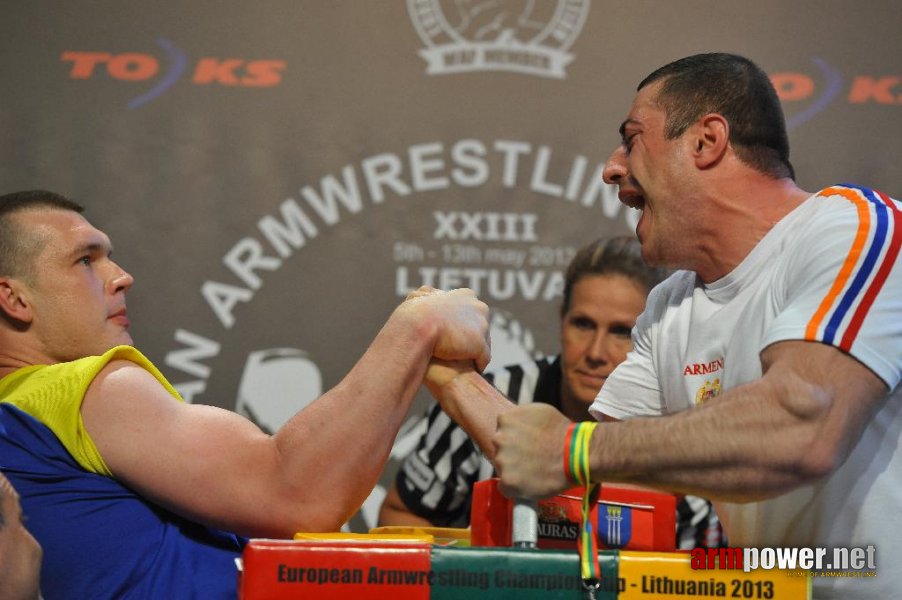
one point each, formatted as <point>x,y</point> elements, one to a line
<point>632,199</point>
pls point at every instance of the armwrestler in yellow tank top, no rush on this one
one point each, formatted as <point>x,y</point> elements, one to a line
<point>53,394</point>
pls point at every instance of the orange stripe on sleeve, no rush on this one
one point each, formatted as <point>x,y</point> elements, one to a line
<point>861,237</point>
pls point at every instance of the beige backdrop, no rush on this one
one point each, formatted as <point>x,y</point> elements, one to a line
<point>277,175</point>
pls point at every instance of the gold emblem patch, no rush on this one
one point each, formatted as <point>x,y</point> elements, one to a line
<point>708,390</point>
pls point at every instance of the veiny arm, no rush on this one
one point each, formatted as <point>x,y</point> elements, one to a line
<point>217,468</point>
<point>793,426</point>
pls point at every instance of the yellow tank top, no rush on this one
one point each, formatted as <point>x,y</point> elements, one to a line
<point>53,394</point>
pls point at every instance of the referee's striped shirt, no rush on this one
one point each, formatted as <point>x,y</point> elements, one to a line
<point>435,481</point>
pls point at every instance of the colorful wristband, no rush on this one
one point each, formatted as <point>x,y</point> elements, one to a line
<point>568,451</point>
<point>577,471</point>
<point>576,452</point>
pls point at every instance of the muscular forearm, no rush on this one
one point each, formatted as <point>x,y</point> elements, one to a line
<point>334,451</point>
<point>215,467</point>
<point>474,405</point>
<point>758,440</point>
<point>793,426</point>
<point>316,470</point>
<point>721,451</point>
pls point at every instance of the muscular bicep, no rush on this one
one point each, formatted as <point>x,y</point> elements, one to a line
<point>829,390</point>
<point>181,456</point>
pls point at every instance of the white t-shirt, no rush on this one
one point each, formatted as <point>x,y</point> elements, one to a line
<point>828,273</point>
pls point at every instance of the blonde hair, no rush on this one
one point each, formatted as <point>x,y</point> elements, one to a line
<point>620,255</point>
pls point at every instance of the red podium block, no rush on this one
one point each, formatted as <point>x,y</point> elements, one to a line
<point>335,569</point>
<point>623,518</point>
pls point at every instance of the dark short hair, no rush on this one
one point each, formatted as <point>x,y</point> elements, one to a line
<point>621,255</point>
<point>737,89</point>
<point>18,247</point>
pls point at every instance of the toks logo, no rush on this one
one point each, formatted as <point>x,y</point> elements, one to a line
<point>134,66</point>
<point>804,95</point>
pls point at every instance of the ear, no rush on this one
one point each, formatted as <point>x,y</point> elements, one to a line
<point>14,300</point>
<point>711,140</point>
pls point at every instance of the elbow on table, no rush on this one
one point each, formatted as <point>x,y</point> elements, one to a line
<point>282,517</point>
<point>321,517</point>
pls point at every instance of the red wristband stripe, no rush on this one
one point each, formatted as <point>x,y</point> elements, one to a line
<point>569,445</point>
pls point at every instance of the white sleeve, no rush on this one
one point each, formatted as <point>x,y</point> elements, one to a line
<point>843,282</point>
<point>633,389</point>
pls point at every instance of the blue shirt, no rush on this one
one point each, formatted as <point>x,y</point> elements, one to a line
<point>100,539</point>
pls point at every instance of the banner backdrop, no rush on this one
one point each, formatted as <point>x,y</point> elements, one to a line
<point>277,175</point>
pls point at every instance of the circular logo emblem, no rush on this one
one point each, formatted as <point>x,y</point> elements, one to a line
<point>522,36</point>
